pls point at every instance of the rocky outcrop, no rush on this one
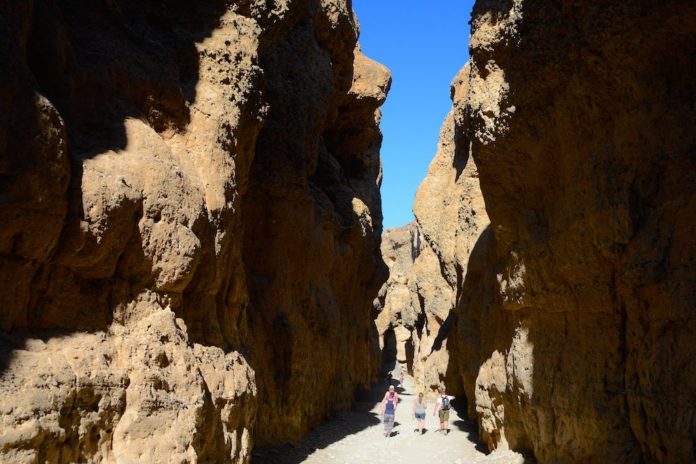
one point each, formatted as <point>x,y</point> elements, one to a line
<point>189,225</point>
<point>574,311</point>
<point>413,309</point>
<point>451,215</point>
<point>399,320</point>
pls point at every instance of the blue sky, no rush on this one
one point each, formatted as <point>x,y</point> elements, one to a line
<point>424,43</point>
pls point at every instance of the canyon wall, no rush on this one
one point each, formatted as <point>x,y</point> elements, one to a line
<point>575,310</point>
<point>397,308</point>
<point>411,306</point>
<point>189,225</point>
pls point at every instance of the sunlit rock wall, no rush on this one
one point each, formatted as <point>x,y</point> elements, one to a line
<point>189,225</point>
<point>399,320</point>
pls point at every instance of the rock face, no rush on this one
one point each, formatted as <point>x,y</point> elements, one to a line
<point>575,310</point>
<point>189,225</point>
<point>399,313</point>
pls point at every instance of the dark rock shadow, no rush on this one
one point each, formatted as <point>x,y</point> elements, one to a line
<point>102,64</point>
<point>389,355</point>
<point>98,65</point>
<point>472,434</point>
<point>336,428</point>
<point>316,153</point>
<point>442,333</point>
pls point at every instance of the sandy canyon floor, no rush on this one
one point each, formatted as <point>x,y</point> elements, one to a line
<point>357,437</point>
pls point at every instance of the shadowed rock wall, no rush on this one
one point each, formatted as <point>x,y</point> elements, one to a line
<point>312,226</point>
<point>189,225</point>
<point>575,310</point>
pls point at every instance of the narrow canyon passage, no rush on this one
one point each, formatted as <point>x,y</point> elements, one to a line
<point>194,266</point>
<point>357,437</point>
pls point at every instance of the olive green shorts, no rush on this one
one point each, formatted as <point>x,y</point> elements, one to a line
<point>444,415</point>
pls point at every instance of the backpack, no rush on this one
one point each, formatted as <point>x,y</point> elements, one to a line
<point>445,403</point>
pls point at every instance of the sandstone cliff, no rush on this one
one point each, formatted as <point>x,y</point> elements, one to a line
<point>574,316</point>
<point>189,225</point>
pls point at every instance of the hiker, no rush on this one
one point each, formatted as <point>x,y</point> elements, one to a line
<point>443,407</point>
<point>419,407</point>
<point>389,403</point>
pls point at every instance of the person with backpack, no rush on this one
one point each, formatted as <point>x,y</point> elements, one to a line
<point>389,404</point>
<point>443,408</point>
<point>419,407</point>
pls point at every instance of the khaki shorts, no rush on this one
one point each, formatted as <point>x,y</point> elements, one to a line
<point>444,415</point>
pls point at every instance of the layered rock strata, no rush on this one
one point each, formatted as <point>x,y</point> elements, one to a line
<point>575,311</point>
<point>189,225</point>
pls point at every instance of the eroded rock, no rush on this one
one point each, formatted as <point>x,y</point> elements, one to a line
<point>189,226</point>
<point>575,307</point>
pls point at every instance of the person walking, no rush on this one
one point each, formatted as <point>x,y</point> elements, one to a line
<point>389,404</point>
<point>443,408</point>
<point>419,408</point>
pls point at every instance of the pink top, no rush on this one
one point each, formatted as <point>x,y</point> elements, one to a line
<point>386,398</point>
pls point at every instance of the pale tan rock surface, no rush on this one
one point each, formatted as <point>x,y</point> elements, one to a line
<point>574,320</point>
<point>189,226</point>
<point>400,247</point>
<point>397,307</point>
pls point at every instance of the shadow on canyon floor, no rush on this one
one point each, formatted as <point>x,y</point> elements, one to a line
<point>334,429</point>
<point>341,426</point>
<point>459,405</point>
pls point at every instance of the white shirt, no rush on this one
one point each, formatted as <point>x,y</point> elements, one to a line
<point>439,399</point>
